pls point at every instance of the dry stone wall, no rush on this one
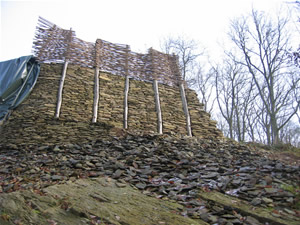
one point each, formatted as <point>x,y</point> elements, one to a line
<point>78,94</point>
<point>141,104</point>
<point>33,121</point>
<point>172,110</point>
<point>202,125</point>
<point>111,99</point>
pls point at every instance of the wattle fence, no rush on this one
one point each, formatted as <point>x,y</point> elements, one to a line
<point>54,44</point>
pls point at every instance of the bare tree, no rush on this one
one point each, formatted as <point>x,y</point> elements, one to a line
<point>222,124</point>
<point>234,95</point>
<point>225,97</point>
<point>187,51</point>
<point>252,122</point>
<point>295,54</point>
<point>204,85</point>
<point>290,134</point>
<point>263,43</point>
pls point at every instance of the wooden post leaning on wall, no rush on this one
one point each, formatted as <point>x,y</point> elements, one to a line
<point>96,80</point>
<point>156,94</point>
<point>126,89</point>
<point>178,79</point>
<point>96,95</point>
<point>185,109</point>
<point>63,76</point>
<point>60,89</point>
<point>157,107</point>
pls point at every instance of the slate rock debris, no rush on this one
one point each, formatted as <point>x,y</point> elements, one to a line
<point>164,167</point>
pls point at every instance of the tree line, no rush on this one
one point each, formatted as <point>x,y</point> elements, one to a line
<point>254,93</point>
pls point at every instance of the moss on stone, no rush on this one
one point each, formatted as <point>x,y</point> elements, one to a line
<point>86,200</point>
<point>262,214</point>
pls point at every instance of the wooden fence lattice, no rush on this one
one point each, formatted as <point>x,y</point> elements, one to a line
<point>54,44</point>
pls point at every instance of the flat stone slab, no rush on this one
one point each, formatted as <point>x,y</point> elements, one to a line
<point>89,201</point>
<point>263,215</point>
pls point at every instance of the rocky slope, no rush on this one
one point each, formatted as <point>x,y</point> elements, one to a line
<point>196,181</point>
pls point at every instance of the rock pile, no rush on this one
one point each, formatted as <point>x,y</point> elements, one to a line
<point>164,167</point>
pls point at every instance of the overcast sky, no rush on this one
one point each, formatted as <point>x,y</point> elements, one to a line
<point>139,23</point>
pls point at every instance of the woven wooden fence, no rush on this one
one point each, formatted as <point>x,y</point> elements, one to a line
<point>54,44</point>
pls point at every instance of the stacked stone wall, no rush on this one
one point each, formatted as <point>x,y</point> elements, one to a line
<point>78,94</point>
<point>141,105</point>
<point>202,125</point>
<point>111,99</point>
<point>172,110</point>
<point>33,121</point>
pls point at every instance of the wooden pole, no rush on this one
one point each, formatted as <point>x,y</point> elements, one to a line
<point>126,89</point>
<point>157,106</point>
<point>60,90</point>
<point>63,76</point>
<point>126,102</point>
<point>98,45</point>
<point>96,95</point>
<point>186,110</point>
<point>156,93</point>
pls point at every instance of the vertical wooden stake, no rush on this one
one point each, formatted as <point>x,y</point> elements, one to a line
<point>186,110</point>
<point>96,95</point>
<point>125,120</point>
<point>60,90</point>
<point>157,106</point>
<point>126,102</point>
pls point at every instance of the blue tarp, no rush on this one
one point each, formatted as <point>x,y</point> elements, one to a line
<point>17,79</point>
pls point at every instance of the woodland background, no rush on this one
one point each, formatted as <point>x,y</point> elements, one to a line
<point>254,92</point>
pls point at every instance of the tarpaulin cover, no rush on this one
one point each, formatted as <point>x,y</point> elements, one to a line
<point>17,79</point>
